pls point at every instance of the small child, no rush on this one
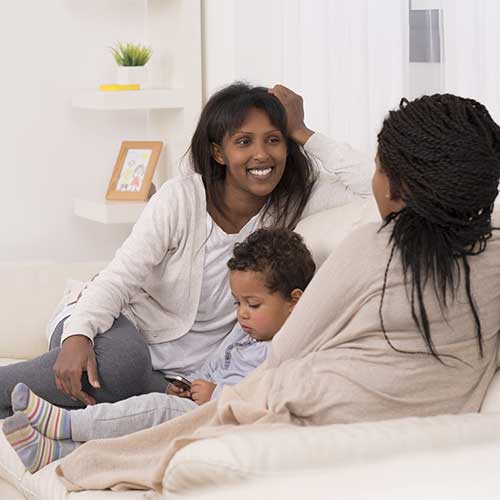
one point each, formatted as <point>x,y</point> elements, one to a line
<point>268,273</point>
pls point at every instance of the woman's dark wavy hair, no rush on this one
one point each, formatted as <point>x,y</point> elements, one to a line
<point>223,114</point>
<point>442,156</point>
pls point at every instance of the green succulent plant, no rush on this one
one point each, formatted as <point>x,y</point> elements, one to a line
<point>131,54</point>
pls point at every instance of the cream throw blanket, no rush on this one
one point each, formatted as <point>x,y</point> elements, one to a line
<point>330,363</point>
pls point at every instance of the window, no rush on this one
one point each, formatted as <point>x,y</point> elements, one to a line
<point>425,48</point>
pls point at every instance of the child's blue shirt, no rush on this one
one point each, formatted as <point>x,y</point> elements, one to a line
<point>237,356</point>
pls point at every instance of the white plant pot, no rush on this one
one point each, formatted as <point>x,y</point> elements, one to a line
<point>133,74</point>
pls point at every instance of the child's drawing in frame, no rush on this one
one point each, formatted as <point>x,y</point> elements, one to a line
<point>133,172</point>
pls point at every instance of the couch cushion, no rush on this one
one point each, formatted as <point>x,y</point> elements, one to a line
<point>8,492</point>
<point>255,453</point>
<point>467,473</point>
<point>323,231</point>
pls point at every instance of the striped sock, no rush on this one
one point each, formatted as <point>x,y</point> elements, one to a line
<point>34,450</point>
<point>51,421</point>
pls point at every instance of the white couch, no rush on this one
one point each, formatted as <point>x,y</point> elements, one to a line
<point>436,457</point>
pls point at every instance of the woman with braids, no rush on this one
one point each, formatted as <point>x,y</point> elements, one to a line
<point>403,318</point>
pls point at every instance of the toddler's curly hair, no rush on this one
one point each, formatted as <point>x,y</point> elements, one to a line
<point>280,255</point>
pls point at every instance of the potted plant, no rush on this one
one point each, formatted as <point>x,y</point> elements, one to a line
<point>131,59</point>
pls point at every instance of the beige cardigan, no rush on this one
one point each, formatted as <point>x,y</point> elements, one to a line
<point>330,363</point>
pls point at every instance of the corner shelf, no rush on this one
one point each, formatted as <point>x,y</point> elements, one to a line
<point>130,99</point>
<point>108,212</point>
<point>171,108</point>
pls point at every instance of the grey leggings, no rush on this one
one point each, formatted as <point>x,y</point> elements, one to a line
<point>123,363</point>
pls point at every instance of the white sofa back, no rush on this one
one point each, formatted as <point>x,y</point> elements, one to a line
<point>323,231</point>
<point>29,293</point>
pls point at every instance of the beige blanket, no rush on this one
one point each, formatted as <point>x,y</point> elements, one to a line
<point>330,363</point>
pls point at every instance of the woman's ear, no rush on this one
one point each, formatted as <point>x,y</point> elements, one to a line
<point>217,153</point>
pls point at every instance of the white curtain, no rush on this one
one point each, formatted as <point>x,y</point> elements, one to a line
<point>348,58</point>
<point>472,42</point>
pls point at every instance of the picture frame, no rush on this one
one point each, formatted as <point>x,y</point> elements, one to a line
<point>132,177</point>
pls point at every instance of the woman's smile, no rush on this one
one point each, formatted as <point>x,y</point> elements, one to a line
<point>261,173</point>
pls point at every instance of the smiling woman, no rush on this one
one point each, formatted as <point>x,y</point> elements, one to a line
<point>242,146</point>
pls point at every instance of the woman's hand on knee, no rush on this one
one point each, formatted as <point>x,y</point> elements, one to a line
<point>294,107</point>
<point>75,357</point>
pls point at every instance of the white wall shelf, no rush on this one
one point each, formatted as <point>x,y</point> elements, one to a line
<point>133,99</point>
<point>171,107</point>
<point>108,212</point>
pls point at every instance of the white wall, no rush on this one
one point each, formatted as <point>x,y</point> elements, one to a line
<point>347,58</point>
<point>51,152</point>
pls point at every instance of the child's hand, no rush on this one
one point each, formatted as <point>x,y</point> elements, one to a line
<point>173,390</point>
<point>201,391</point>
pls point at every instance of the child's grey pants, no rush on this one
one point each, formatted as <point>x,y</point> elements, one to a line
<point>109,420</point>
<point>123,364</point>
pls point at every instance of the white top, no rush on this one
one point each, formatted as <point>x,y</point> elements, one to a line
<point>156,276</point>
<point>216,313</point>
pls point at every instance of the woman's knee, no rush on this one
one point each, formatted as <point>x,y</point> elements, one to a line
<point>123,361</point>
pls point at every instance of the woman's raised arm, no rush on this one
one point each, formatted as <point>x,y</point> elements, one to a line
<point>353,168</point>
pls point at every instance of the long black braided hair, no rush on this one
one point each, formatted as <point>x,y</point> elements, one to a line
<point>441,154</point>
